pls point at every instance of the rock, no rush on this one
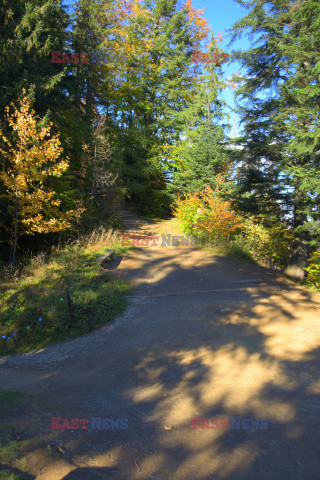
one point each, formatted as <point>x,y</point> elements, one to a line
<point>295,272</point>
<point>298,262</point>
<point>106,258</point>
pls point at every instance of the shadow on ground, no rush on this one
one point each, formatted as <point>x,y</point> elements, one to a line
<point>209,338</point>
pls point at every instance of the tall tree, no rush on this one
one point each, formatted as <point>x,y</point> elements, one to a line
<point>201,155</point>
<point>151,91</point>
<point>31,30</point>
<point>280,95</point>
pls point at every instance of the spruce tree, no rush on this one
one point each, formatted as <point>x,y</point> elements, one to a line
<point>201,154</point>
<point>280,93</point>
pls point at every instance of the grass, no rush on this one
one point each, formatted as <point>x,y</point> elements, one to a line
<point>6,475</point>
<point>9,449</point>
<point>34,308</point>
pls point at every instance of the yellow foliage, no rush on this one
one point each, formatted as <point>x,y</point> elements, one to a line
<point>31,159</point>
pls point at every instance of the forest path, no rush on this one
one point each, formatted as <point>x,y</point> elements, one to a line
<point>205,336</point>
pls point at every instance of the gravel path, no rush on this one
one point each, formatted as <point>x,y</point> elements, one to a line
<point>204,337</point>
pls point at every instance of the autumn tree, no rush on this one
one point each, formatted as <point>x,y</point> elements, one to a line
<point>32,161</point>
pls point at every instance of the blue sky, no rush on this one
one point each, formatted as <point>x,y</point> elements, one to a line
<point>221,14</point>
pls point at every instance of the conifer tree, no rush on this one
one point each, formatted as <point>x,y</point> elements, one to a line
<point>201,154</point>
<point>152,91</point>
<point>280,99</point>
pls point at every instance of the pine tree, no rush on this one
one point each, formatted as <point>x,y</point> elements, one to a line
<point>201,154</point>
<point>31,31</point>
<point>151,92</point>
<point>280,99</point>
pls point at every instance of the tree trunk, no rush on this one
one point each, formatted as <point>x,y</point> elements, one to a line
<point>88,97</point>
<point>15,240</point>
<point>298,260</point>
<point>93,176</point>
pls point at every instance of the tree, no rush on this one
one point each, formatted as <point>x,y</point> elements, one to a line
<point>280,98</point>
<point>32,162</point>
<point>102,178</point>
<point>200,156</point>
<point>29,32</point>
<point>155,41</point>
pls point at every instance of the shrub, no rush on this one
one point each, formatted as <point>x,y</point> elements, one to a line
<point>268,245</point>
<point>217,218</point>
<point>313,270</point>
<point>212,219</point>
<point>188,211</point>
<point>205,213</point>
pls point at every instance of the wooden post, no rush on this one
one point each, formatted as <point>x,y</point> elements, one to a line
<point>71,307</point>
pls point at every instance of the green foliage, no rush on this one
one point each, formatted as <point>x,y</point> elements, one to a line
<point>313,270</point>
<point>9,449</point>
<point>188,212</point>
<point>9,452</point>
<point>270,246</point>
<point>200,159</point>
<point>238,249</point>
<point>200,155</point>
<point>7,475</point>
<point>150,96</point>
<point>31,31</point>
<point>6,434</point>
<point>278,93</point>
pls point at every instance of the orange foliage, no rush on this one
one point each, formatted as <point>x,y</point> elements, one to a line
<point>219,219</point>
<point>199,24</point>
<point>219,38</point>
<point>206,211</point>
<point>126,8</point>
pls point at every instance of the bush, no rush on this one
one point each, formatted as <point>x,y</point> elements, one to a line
<point>188,212</point>
<point>268,245</point>
<point>204,214</point>
<point>313,270</point>
<point>238,248</point>
<point>218,219</point>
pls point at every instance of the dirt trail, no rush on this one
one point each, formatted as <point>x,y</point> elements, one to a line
<point>205,337</point>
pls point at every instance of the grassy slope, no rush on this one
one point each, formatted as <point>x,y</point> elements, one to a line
<point>34,309</point>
